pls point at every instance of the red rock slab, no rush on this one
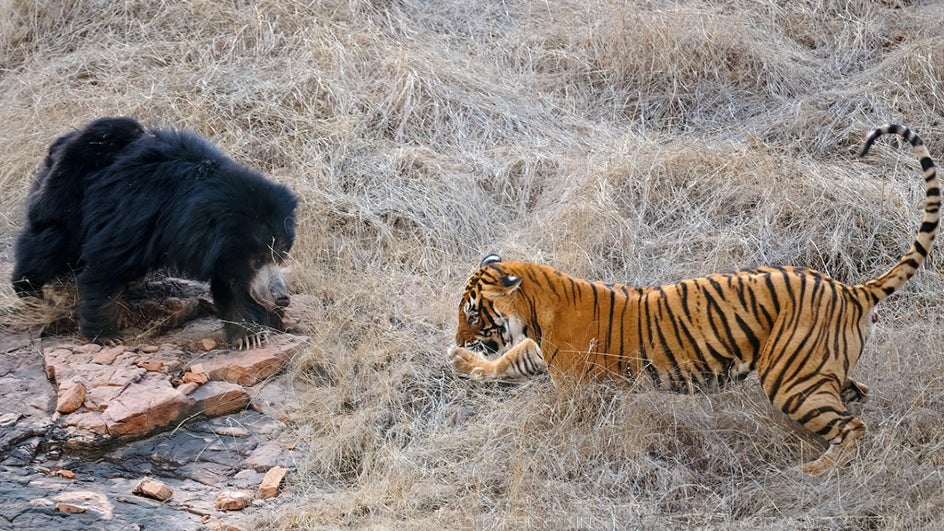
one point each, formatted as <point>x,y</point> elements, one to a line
<point>270,483</point>
<point>254,365</point>
<point>107,356</point>
<point>231,500</point>
<point>219,398</point>
<point>70,397</point>
<point>71,508</point>
<point>88,422</point>
<point>152,488</point>
<point>144,407</point>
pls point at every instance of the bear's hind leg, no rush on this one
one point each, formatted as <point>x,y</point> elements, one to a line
<point>98,310</point>
<point>41,255</point>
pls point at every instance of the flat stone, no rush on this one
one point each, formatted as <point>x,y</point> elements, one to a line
<point>151,365</point>
<point>88,422</point>
<point>188,387</point>
<point>254,365</point>
<point>270,483</point>
<point>107,356</point>
<point>143,407</point>
<point>9,419</point>
<point>152,488</point>
<point>266,456</point>
<point>132,423</point>
<point>90,348</point>
<point>71,508</point>
<point>219,398</point>
<point>98,397</point>
<point>198,378</point>
<point>89,501</point>
<point>71,397</point>
<point>232,500</point>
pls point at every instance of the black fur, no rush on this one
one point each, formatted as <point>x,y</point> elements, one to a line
<point>50,245</point>
<point>166,198</point>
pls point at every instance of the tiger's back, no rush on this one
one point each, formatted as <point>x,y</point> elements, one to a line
<point>802,331</point>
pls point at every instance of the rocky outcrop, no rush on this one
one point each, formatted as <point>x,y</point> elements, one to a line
<point>179,417</point>
<point>107,396</point>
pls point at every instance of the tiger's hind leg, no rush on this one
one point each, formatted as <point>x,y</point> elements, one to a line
<point>853,391</point>
<point>819,408</point>
<point>848,429</point>
<point>520,361</point>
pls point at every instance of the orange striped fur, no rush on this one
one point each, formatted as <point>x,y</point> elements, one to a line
<point>800,330</point>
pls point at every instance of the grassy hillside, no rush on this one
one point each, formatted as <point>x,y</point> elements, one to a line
<point>641,142</point>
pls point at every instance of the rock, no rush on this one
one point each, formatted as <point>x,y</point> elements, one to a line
<point>188,387</point>
<point>196,374</point>
<point>270,483</point>
<point>144,407</point>
<point>208,344</point>
<point>247,479</point>
<point>232,431</point>
<point>232,500</point>
<point>265,457</point>
<point>132,423</point>
<point>90,348</point>
<point>107,356</point>
<point>71,397</point>
<point>88,422</point>
<point>151,488</point>
<point>151,365</point>
<point>216,525</point>
<point>9,419</point>
<point>252,366</point>
<point>92,503</point>
<point>219,398</point>
<point>64,507</point>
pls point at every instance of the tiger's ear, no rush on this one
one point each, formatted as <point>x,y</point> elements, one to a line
<point>506,285</point>
<point>489,259</point>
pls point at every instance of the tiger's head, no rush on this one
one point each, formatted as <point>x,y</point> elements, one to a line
<point>481,326</point>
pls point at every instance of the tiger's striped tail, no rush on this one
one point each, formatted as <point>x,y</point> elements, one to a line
<point>886,284</point>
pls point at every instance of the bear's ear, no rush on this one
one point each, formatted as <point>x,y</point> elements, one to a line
<point>490,259</point>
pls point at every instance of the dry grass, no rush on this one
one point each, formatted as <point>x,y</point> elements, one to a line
<point>628,141</point>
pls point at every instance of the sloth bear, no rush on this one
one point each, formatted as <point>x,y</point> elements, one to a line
<point>115,200</point>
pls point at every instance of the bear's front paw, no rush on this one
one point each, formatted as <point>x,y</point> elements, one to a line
<point>245,336</point>
<point>252,341</point>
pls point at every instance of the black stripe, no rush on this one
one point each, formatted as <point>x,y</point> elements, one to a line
<point>731,344</point>
<point>749,333</point>
<point>609,328</point>
<point>645,338</point>
<point>596,306</point>
<point>549,283</point>
<point>772,291</point>
<point>673,368</point>
<point>622,339</point>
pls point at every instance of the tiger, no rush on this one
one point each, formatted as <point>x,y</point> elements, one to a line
<point>800,330</point>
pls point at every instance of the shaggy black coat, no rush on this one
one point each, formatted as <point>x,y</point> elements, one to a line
<point>50,244</point>
<point>166,199</point>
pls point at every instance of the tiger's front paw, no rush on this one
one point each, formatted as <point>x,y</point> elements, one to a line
<point>466,362</point>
